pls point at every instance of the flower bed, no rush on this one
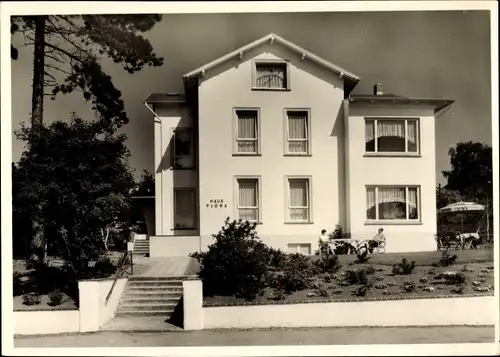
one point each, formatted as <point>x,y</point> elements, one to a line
<point>424,281</point>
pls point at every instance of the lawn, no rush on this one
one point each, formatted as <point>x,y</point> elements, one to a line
<point>40,286</point>
<point>425,280</point>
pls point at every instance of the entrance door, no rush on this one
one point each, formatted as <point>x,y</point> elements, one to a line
<point>184,208</point>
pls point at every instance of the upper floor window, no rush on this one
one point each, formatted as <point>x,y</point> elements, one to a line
<point>271,75</point>
<point>392,203</point>
<point>299,200</point>
<point>297,132</point>
<point>392,136</point>
<point>247,132</point>
<point>183,151</point>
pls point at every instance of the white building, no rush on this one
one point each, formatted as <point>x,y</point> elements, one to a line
<point>271,133</point>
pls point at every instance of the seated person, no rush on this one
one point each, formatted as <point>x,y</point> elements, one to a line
<point>377,240</point>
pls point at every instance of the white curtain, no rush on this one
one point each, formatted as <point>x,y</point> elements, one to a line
<point>270,76</point>
<point>413,202</point>
<point>370,203</point>
<point>297,133</point>
<point>369,130</point>
<point>184,209</point>
<point>391,194</point>
<point>412,135</point>
<point>247,132</point>
<point>247,200</point>
<point>391,128</point>
<point>299,200</point>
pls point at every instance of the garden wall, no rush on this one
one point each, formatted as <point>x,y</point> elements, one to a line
<point>414,312</point>
<point>46,322</point>
<point>441,311</point>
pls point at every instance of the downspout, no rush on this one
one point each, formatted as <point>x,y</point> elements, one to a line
<point>347,176</point>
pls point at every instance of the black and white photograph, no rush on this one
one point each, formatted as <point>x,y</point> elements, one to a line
<point>294,178</point>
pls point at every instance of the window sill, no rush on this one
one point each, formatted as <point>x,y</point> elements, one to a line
<point>299,222</point>
<point>297,155</point>
<point>390,154</point>
<point>242,154</point>
<point>185,229</point>
<point>271,89</point>
<point>393,223</point>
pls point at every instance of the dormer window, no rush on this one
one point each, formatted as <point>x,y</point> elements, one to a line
<point>271,75</point>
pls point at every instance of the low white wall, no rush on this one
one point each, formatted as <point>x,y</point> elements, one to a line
<point>173,246</point>
<point>94,310</point>
<point>192,292</point>
<point>46,322</point>
<point>415,312</point>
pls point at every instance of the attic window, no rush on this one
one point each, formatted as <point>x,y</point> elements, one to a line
<point>271,76</point>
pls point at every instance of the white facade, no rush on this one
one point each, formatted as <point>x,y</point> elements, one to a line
<point>293,158</point>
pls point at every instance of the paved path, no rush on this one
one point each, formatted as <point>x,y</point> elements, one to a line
<point>267,337</point>
<point>161,267</point>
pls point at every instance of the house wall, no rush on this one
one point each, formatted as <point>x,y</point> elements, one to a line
<point>170,117</point>
<point>312,88</point>
<point>406,170</point>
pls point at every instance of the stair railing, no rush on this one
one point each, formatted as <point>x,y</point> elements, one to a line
<point>121,270</point>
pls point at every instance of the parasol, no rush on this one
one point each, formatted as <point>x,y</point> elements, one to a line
<point>461,208</point>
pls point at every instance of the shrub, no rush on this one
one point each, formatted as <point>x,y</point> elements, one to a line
<point>55,298</point>
<point>277,258</point>
<point>31,299</point>
<point>360,291</point>
<point>322,291</point>
<point>330,265</point>
<point>446,259</point>
<point>103,268</point>
<point>452,278</point>
<point>403,268</point>
<point>236,263</point>
<point>408,286</point>
<point>356,276</point>
<point>17,284</point>
<point>297,274</point>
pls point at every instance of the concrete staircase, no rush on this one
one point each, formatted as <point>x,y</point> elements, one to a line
<point>151,296</point>
<point>141,247</point>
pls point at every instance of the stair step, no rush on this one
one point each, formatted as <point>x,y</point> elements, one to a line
<point>150,300</point>
<point>153,294</point>
<point>155,289</point>
<point>165,313</point>
<point>157,283</point>
<point>147,307</point>
<point>162,278</point>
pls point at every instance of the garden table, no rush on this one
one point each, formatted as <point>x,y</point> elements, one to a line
<point>334,243</point>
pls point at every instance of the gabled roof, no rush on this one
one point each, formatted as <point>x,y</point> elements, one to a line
<point>273,38</point>
<point>439,104</point>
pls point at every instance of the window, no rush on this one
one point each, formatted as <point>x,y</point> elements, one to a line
<point>247,132</point>
<point>299,209</point>
<point>248,199</point>
<point>271,75</point>
<point>392,135</point>
<point>297,132</point>
<point>184,208</point>
<point>392,203</point>
<point>300,248</point>
<point>183,148</point>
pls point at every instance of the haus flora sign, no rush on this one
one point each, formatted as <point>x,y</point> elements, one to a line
<point>216,203</point>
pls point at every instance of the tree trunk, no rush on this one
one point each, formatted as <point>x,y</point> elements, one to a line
<point>38,244</point>
<point>38,74</point>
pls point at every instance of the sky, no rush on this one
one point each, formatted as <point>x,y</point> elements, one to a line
<point>435,54</point>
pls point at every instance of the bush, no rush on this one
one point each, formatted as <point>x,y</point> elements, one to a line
<point>446,259</point>
<point>297,273</point>
<point>356,276</point>
<point>31,299</point>
<point>277,258</point>
<point>403,268</point>
<point>17,284</point>
<point>55,298</point>
<point>452,278</point>
<point>330,265</point>
<point>103,268</point>
<point>236,263</point>
<point>408,287</point>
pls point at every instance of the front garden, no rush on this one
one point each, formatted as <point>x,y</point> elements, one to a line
<point>239,269</point>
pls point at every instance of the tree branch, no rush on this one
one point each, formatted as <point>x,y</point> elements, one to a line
<point>58,69</point>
